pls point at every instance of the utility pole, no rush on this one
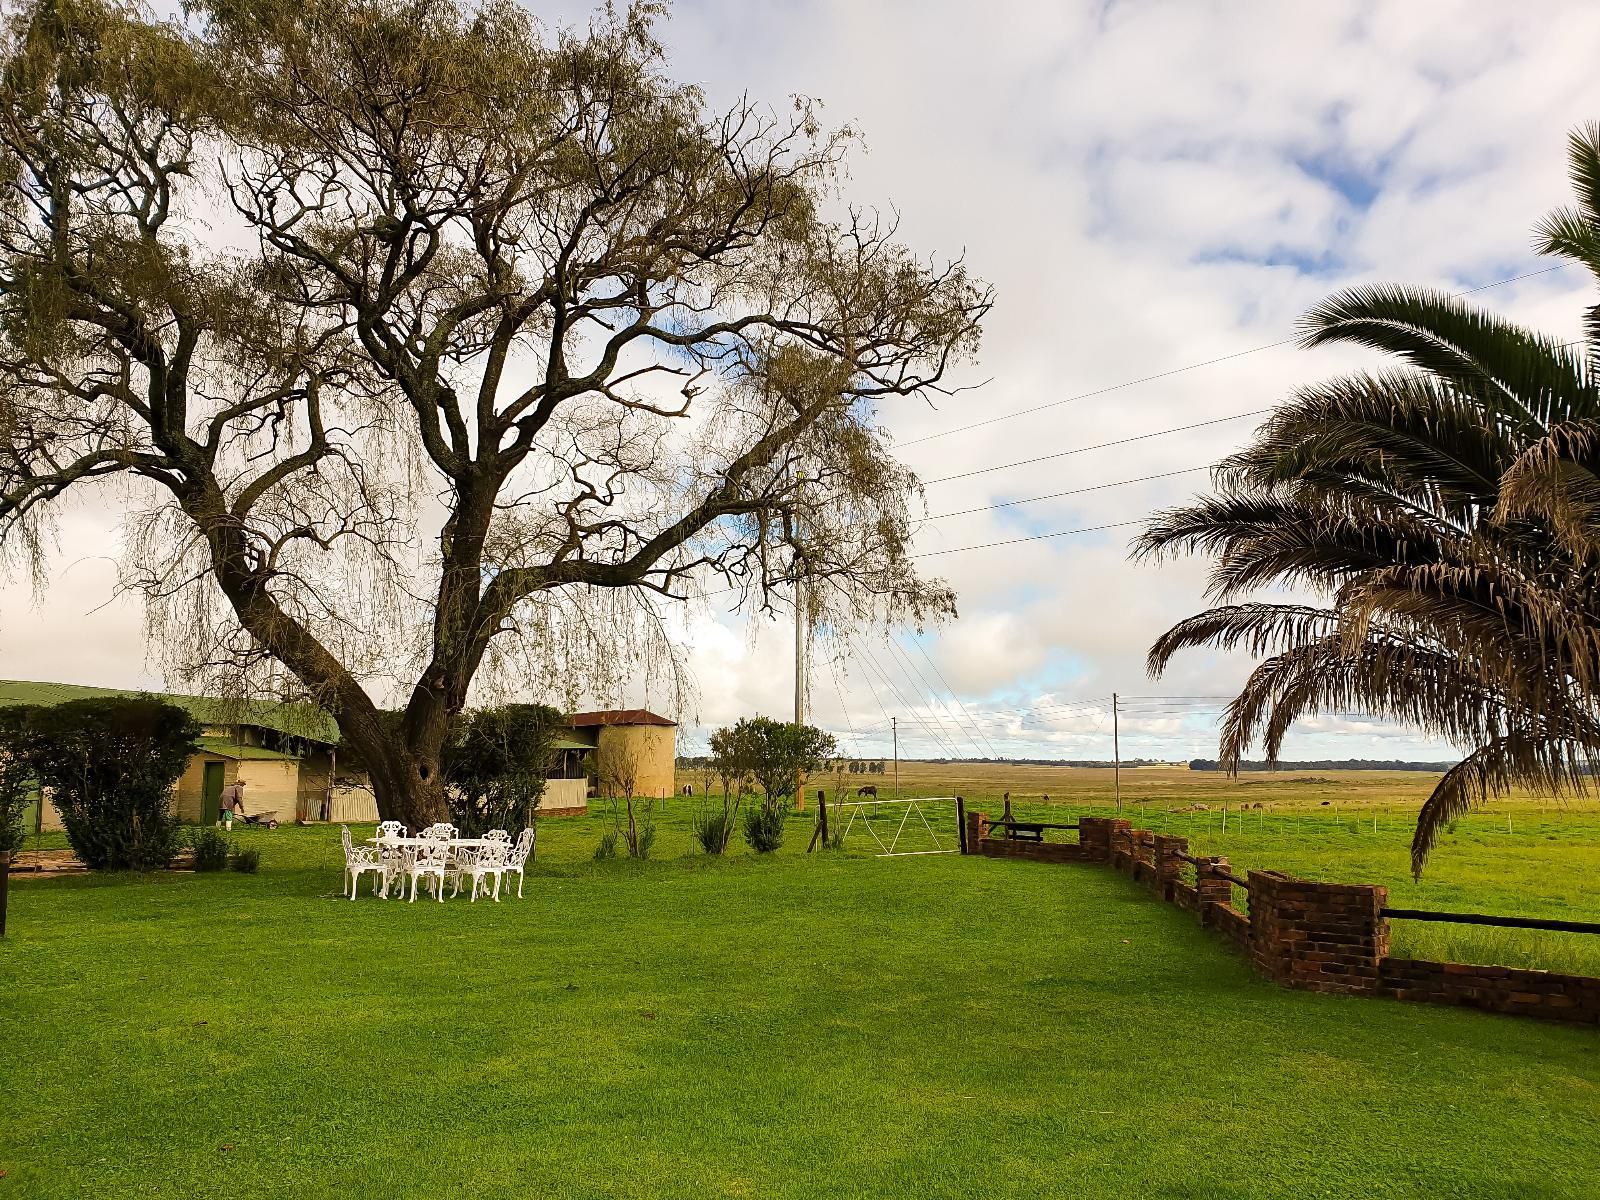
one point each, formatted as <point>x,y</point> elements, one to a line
<point>800,660</point>
<point>1116,751</point>
<point>894,726</point>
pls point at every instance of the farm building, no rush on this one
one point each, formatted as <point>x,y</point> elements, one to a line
<point>635,740</point>
<point>284,754</point>
<point>287,755</point>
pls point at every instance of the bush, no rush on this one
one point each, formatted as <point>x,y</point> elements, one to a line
<point>763,827</point>
<point>109,766</point>
<point>246,861</point>
<point>211,847</point>
<point>495,765</point>
<point>711,828</point>
<point>607,847</point>
<point>644,839</point>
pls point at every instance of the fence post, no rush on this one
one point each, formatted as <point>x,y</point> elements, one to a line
<point>1322,937</point>
<point>1168,865</point>
<point>977,830</point>
<point>1121,842</point>
<point>961,824</point>
<point>1094,835</point>
<point>1144,853</point>
<point>1210,888</point>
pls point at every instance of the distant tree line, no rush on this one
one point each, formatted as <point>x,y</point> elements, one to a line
<point>1327,764</point>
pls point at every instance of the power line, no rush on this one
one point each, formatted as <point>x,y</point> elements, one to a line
<point>940,674</point>
<point>1210,362</point>
<point>906,658</point>
<point>1099,487</point>
<point>1038,537</point>
<point>888,683</point>
<point>1142,437</point>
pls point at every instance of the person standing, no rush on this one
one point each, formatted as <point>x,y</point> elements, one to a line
<point>230,803</point>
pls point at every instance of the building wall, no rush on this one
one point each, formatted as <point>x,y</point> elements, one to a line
<point>655,748</point>
<point>270,786</point>
<point>189,792</point>
<point>564,797</point>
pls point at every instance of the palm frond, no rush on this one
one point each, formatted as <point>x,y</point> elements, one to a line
<point>1531,379</point>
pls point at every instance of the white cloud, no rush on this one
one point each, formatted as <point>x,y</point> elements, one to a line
<point>1148,186</point>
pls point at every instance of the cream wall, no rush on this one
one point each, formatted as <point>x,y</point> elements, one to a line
<point>565,796</point>
<point>654,746</point>
<point>270,786</point>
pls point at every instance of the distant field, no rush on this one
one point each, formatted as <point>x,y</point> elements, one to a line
<point>1341,826</point>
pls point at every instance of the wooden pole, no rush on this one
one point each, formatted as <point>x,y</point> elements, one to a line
<point>1116,751</point>
<point>894,726</point>
<point>800,666</point>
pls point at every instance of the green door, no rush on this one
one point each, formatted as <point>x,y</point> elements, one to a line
<point>211,793</point>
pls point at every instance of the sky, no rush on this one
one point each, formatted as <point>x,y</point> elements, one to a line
<point>1148,187</point>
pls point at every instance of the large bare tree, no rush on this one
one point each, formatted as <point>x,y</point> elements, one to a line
<point>418,338</point>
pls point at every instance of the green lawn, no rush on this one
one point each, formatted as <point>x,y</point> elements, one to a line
<point>1546,864</point>
<point>831,1026</point>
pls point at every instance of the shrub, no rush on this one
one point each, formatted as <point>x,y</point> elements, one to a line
<point>246,861</point>
<point>643,840</point>
<point>495,765</point>
<point>109,765</point>
<point>711,829</point>
<point>607,847</point>
<point>211,847</point>
<point>763,828</point>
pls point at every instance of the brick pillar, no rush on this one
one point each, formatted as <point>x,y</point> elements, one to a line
<point>1323,937</point>
<point>1094,835</point>
<point>1210,888</point>
<point>1168,865</point>
<point>977,830</point>
<point>1121,843</point>
<point>1144,853</point>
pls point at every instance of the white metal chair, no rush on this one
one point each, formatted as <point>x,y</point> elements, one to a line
<point>393,857</point>
<point>357,860</point>
<point>489,859</point>
<point>430,859</point>
<point>518,859</point>
<point>464,856</point>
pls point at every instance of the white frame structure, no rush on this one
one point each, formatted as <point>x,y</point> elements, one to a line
<point>913,805</point>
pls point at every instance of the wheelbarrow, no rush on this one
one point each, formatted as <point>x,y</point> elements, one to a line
<point>265,820</point>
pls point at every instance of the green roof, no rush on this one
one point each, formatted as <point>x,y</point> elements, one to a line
<point>297,720</point>
<point>228,748</point>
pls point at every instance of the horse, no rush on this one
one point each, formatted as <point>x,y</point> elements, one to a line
<point>688,789</point>
<point>870,790</point>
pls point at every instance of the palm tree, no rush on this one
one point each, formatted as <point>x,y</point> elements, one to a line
<point>1444,517</point>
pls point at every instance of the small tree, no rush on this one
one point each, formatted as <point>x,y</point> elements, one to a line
<point>496,765</point>
<point>16,786</point>
<point>732,759</point>
<point>783,752</point>
<point>110,765</point>
<point>619,768</point>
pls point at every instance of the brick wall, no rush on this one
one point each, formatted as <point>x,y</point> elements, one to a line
<point>1323,937</point>
<point>1497,989</point>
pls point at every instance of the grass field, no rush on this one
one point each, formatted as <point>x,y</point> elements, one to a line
<point>839,1025</point>
<point>1522,857</point>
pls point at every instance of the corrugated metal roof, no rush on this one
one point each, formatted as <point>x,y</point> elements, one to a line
<point>619,716</point>
<point>298,720</point>
<point>228,748</point>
